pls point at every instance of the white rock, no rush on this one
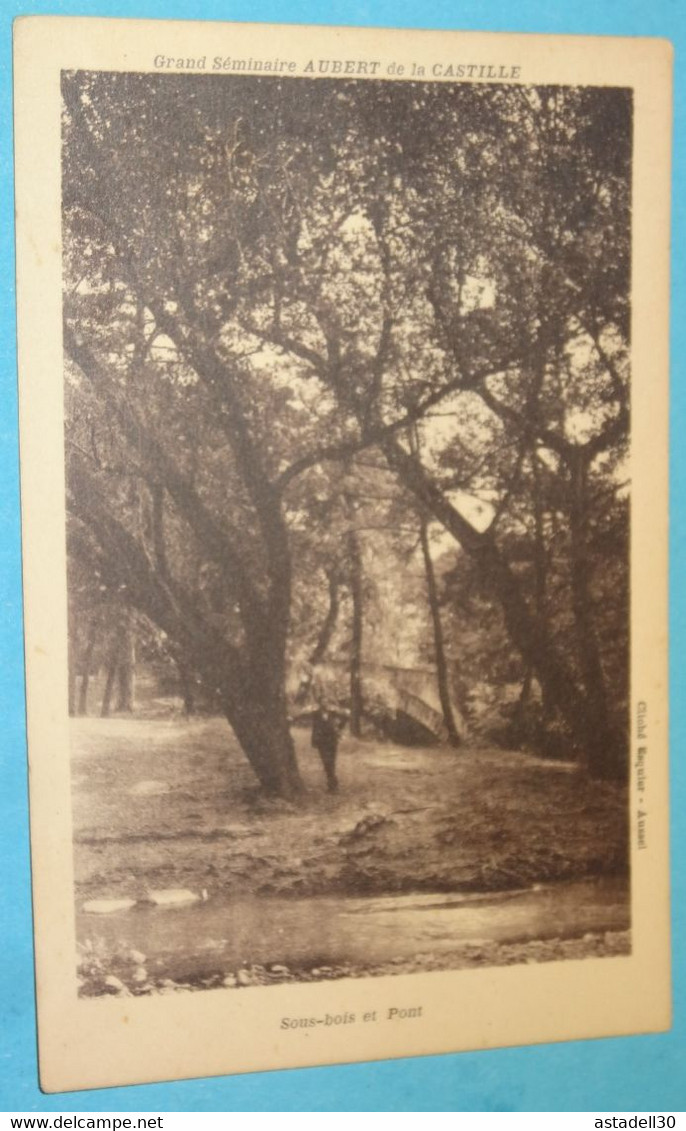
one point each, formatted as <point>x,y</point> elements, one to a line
<point>137,957</point>
<point>149,788</point>
<point>114,985</point>
<point>107,906</point>
<point>169,897</point>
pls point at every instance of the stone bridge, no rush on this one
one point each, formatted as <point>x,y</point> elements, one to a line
<point>412,693</point>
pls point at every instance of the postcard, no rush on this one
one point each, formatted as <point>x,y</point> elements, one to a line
<point>343,392</point>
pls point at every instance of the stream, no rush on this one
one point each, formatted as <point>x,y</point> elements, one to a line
<point>228,933</point>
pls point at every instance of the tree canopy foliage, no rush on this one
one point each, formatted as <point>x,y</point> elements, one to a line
<point>296,311</point>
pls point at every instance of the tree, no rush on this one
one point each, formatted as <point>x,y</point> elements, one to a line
<point>529,313</point>
<point>198,541</point>
<point>265,277</point>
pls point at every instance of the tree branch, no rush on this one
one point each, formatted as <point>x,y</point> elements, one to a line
<point>376,436</point>
<point>212,538</point>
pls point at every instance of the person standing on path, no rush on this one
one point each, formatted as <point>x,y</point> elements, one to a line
<point>327,725</point>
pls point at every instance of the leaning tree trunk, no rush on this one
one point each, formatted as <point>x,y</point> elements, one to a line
<point>439,642</point>
<point>257,709</point>
<point>249,674</point>
<point>266,741</point>
<point>531,638</point>
<point>256,703</point>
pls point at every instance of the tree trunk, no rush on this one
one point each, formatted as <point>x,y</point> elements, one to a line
<point>604,746</point>
<point>357,594</point>
<point>531,638</point>
<point>250,671</point>
<point>261,727</point>
<point>534,642</point>
<point>112,668</point>
<point>330,620</point>
<point>540,560</point>
<point>109,688</point>
<point>540,568</point>
<point>71,691</point>
<point>187,693</point>
<point>126,671</point>
<point>324,639</point>
<point>520,728</point>
<point>439,643</point>
<point>82,708</point>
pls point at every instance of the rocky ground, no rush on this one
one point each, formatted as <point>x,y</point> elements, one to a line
<point>125,974</point>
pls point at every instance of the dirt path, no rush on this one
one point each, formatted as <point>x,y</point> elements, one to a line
<point>173,804</point>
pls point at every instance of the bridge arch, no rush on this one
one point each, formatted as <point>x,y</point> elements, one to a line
<point>409,693</point>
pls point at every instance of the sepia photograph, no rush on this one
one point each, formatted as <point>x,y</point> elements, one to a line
<point>347,387</point>
<point>343,520</point>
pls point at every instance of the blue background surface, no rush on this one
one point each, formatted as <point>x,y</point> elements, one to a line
<point>634,1073</point>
